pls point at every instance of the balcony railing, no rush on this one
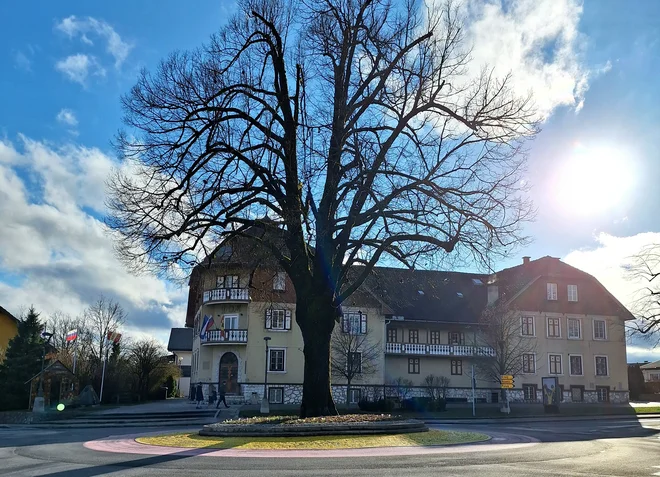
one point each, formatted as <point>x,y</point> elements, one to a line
<point>226,294</point>
<point>225,337</point>
<point>438,350</point>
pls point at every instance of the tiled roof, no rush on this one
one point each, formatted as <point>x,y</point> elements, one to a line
<point>181,339</point>
<point>653,365</point>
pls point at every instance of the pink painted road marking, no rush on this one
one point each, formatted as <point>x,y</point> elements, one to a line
<point>128,445</point>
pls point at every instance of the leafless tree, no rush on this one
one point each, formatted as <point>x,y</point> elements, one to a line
<point>645,268</point>
<point>354,356</point>
<point>350,131</point>
<point>102,316</point>
<point>145,357</point>
<point>501,330</point>
<point>436,386</point>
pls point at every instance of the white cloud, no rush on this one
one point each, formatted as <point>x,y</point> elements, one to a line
<point>66,116</point>
<point>22,61</point>
<point>53,241</point>
<point>115,46</point>
<point>79,67</point>
<point>536,40</point>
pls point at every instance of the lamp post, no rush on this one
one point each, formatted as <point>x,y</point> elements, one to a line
<point>39,405</point>
<point>265,407</point>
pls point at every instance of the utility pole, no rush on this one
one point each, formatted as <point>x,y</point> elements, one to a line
<point>474,411</point>
<point>265,405</point>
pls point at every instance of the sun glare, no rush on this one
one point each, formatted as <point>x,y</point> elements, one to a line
<point>594,180</point>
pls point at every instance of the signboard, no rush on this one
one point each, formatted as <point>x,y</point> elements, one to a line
<point>551,390</point>
<point>506,381</point>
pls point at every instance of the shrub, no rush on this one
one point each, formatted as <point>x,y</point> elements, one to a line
<point>382,405</point>
<point>424,404</point>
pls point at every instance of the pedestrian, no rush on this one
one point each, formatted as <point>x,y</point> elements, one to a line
<point>221,395</point>
<point>213,396</point>
<point>199,396</point>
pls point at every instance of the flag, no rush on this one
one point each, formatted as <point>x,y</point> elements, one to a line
<point>71,335</point>
<point>208,323</point>
<point>114,337</point>
<point>203,327</point>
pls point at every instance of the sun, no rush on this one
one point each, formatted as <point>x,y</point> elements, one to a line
<point>594,180</point>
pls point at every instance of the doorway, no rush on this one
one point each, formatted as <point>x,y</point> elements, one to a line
<point>229,372</point>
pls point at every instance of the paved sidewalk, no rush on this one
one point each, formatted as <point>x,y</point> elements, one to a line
<point>168,405</point>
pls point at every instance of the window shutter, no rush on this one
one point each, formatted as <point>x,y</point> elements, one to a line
<point>269,320</point>
<point>462,338</point>
<point>287,320</point>
<point>363,324</point>
<point>344,323</point>
<point>220,282</point>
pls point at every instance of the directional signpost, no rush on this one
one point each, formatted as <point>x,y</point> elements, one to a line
<point>507,381</point>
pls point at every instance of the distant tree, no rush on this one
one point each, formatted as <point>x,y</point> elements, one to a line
<point>354,355</point>
<point>645,267</point>
<point>402,388</point>
<point>145,357</point>
<point>636,384</point>
<point>102,316</point>
<point>436,386</point>
<point>22,361</point>
<point>500,330</point>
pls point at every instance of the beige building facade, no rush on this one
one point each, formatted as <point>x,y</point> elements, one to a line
<point>422,323</point>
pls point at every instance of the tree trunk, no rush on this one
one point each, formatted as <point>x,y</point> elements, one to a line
<point>315,316</point>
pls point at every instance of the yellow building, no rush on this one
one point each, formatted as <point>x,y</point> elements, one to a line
<point>8,329</point>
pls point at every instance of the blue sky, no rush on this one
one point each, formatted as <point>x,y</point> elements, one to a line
<point>65,65</point>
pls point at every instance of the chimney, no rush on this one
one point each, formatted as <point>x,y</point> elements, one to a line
<point>526,260</point>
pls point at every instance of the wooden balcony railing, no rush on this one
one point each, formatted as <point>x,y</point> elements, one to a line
<point>437,349</point>
<point>225,337</point>
<point>226,294</point>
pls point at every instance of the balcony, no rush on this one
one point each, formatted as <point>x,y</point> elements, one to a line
<point>437,349</point>
<point>227,295</point>
<point>214,337</point>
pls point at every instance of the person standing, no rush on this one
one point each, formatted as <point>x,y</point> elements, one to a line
<point>221,395</point>
<point>199,396</point>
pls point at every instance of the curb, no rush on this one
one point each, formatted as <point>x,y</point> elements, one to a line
<point>513,420</point>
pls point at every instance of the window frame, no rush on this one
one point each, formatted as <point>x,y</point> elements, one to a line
<point>547,326</point>
<point>413,332</point>
<point>607,393</point>
<point>235,282</point>
<point>349,319</point>
<point>607,366</point>
<point>456,367</point>
<point>523,325</point>
<point>561,364</point>
<point>533,356</point>
<point>570,365</point>
<point>277,313</point>
<point>414,363</point>
<point>279,281</point>
<point>270,360</point>
<point>352,390</point>
<point>434,337</point>
<point>568,328</point>
<point>270,395</point>
<point>551,292</point>
<point>571,295</point>
<point>595,320</point>
<point>348,358</point>
<point>392,332</point>
<point>533,387</point>
<point>581,388</point>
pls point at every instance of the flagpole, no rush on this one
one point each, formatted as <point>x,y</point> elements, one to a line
<point>103,373</point>
<point>75,354</point>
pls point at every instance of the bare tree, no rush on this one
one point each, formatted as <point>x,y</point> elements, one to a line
<point>354,356</point>
<point>145,357</point>
<point>501,330</point>
<point>645,268</point>
<point>103,316</point>
<point>436,386</point>
<point>349,131</point>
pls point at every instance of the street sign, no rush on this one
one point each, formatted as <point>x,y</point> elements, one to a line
<point>506,381</point>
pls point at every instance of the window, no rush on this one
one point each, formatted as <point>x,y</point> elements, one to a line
<point>220,282</point>
<point>577,393</point>
<point>528,326</point>
<point>575,365</point>
<point>354,323</point>
<point>555,363</point>
<point>572,293</point>
<point>601,366</point>
<point>654,377</point>
<point>456,367</point>
<point>231,281</point>
<point>279,281</point>
<point>392,335</point>
<point>354,363</point>
<point>434,337</point>
<point>230,322</point>
<point>529,392</point>
<point>574,329</point>
<point>276,395</point>
<point>278,319</point>
<point>554,328</point>
<point>552,291</point>
<point>277,360</point>
<point>354,396</point>
<point>529,363</point>
<point>413,336</point>
<point>603,393</point>
<point>600,331</point>
<point>456,338</point>
<point>413,365</point>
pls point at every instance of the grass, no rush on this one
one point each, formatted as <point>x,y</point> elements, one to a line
<point>429,438</point>
<point>647,410</point>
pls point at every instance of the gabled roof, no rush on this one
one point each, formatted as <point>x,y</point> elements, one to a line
<point>181,339</point>
<point>3,311</point>
<point>653,365</point>
<point>56,365</point>
<point>429,295</point>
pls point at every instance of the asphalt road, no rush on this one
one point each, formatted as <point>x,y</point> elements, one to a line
<point>621,447</point>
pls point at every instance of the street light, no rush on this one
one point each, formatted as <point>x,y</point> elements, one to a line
<point>38,405</point>
<point>265,407</point>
